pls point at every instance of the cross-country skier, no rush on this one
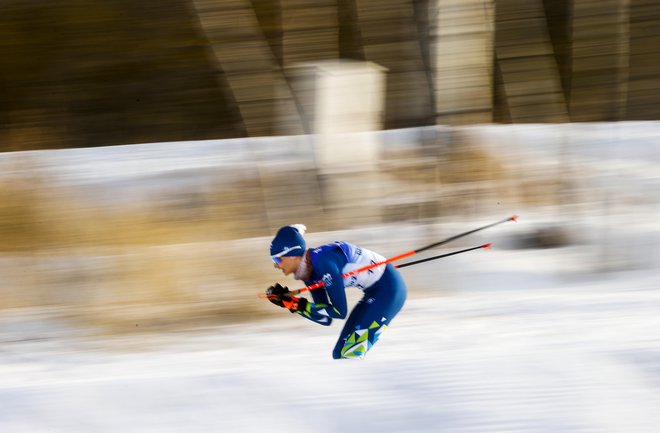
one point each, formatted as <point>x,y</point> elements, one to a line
<point>383,287</point>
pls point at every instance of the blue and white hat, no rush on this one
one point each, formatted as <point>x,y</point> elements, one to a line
<point>289,241</point>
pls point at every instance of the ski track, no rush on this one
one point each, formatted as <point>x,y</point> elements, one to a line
<point>565,359</point>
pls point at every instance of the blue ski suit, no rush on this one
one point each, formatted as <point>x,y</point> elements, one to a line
<point>384,295</point>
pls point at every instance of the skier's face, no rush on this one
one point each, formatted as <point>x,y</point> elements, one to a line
<point>289,264</point>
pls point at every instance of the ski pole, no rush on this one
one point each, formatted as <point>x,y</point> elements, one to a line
<point>408,254</point>
<point>443,255</point>
<point>461,235</point>
<point>320,284</point>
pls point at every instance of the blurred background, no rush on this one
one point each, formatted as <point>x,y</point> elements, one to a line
<point>100,72</point>
<point>338,114</point>
<point>150,150</point>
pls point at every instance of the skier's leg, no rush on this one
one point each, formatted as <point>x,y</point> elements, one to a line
<point>371,316</point>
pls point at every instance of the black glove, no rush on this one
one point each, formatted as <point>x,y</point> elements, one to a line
<point>275,294</point>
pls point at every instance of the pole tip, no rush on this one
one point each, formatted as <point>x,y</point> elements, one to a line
<point>487,246</point>
<point>513,218</point>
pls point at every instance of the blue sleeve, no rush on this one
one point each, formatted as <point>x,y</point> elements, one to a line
<point>330,302</point>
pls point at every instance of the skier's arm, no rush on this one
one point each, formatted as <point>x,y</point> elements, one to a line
<point>316,310</point>
<point>329,302</point>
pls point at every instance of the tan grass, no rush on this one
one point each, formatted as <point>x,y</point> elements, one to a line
<point>114,267</point>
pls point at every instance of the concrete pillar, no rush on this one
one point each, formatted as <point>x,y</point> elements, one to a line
<point>462,32</point>
<point>391,37</point>
<point>310,31</point>
<point>600,63</point>
<point>256,81</point>
<point>531,83</point>
<point>342,101</point>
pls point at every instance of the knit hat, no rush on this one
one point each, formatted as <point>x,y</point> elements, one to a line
<point>289,241</point>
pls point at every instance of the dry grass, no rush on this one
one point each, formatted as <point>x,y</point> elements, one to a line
<point>147,268</point>
<point>459,176</point>
<point>198,259</point>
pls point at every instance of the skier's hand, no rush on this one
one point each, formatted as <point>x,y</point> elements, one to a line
<point>276,294</point>
<point>294,304</point>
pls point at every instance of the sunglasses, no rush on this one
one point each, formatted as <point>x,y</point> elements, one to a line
<point>277,259</point>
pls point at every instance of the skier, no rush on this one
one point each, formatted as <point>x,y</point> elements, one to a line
<point>383,286</point>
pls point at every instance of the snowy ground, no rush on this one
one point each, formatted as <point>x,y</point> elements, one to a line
<point>556,340</point>
<point>567,352</point>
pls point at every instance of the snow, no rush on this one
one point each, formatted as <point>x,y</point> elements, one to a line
<point>552,340</point>
<point>579,357</point>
